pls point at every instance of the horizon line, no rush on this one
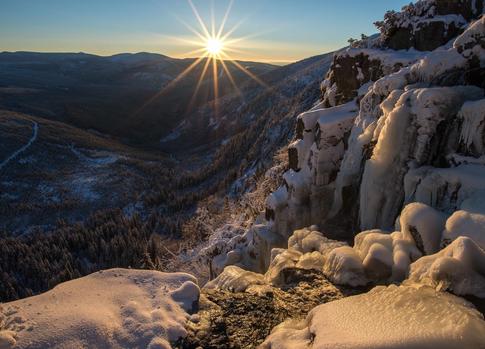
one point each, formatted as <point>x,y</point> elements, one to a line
<point>256,60</point>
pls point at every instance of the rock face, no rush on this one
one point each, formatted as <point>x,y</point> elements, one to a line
<point>469,9</point>
<point>354,68</point>
<point>394,128</point>
<point>425,37</point>
<point>347,74</point>
<point>428,24</point>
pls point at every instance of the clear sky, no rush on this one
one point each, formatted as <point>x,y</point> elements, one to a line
<point>274,30</point>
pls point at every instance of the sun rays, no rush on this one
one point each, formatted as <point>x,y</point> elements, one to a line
<point>213,45</point>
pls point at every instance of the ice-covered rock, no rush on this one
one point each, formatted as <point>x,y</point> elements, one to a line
<point>423,225</point>
<point>444,188</point>
<point>473,128</point>
<point>116,308</point>
<point>284,260</point>
<point>377,256</point>
<point>355,67</point>
<point>309,240</point>
<point>448,66</point>
<point>343,266</point>
<point>386,317</point>
<point>406,139</point>
<point>459,268</point>
<point>235,279</point>
<point>463,223</point>
<point>417,137</point>
<point>471,38</point>
<point>307,249</point>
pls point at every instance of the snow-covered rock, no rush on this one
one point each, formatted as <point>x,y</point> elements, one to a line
<point>308,240</point>
<point>355,67</point>
<point>116,308</point>
<point>377,256</point>
<point>386,317</point>
<point>415,148</point>
<point>405,139</point>
<point>473,129</point>
<point>444,188</point>
<point>423,225</point>
<point>307,249</point>
<point>463,223</point>
<point>459,268</point>
<point>427,24</point>
<point>235,279</point>
<point>343,266</point>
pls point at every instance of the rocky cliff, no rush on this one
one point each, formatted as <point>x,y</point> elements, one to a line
<point>390,164</point>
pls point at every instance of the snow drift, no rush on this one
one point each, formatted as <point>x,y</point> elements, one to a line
<point>116,308</point>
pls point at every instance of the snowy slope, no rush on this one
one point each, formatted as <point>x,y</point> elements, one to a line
<point>116,308</point>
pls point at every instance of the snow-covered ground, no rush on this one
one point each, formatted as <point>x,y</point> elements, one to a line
<point>116,308</point>
<point>387,317</point>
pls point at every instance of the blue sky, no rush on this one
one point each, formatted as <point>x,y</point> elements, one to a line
<point>275,30</point>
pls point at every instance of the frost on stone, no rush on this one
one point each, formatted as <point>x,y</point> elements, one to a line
<point>458,268</point>
<point>116,308</point>
<point>386,317</point>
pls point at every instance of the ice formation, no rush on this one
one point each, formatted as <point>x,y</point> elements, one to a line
<point>386,317</point>
<point>344,267</point>
<point>473,115</point>
<point>376,256</point>
<point>405,140</point>
<point>235,279</point>
<point>463,223</point>
<point>116,308</point>
<point>459,268</point>
<point>423,225</point>
<point>444,188</point>
<point>307,249</point>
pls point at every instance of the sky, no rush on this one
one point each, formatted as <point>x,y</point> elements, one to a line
<point>276,31</point>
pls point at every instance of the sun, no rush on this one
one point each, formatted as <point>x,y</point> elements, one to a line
<point>214,46</point>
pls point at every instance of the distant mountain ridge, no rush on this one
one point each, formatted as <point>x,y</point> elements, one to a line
<point>125,95</point>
